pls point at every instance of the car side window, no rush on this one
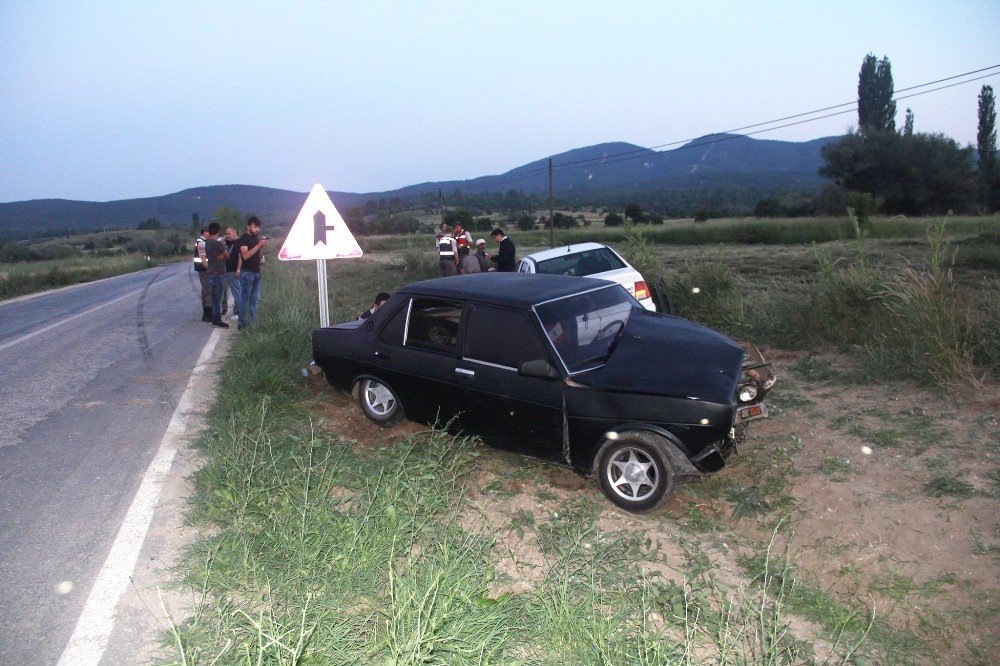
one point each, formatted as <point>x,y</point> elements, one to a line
<point>433,325</point>
<point>502,337</point>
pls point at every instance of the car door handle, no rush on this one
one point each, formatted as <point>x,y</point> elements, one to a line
<point>467,374</point>
<point>382,355</point>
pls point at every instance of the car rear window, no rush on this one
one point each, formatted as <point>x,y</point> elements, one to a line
<point>433,325</point>
<point>580,264</point>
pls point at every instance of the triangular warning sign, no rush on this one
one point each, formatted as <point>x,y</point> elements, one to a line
<point>319,231</point>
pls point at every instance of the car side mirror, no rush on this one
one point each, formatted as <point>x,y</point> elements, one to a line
<point>538,368</point>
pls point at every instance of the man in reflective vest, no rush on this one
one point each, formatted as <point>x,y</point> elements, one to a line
<point>201,268</point>
<point>447,249</point>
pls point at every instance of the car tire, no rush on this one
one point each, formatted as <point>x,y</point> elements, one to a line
<point>636,471</point>
<point>379,402</point>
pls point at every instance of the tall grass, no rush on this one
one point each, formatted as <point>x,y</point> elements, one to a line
<point>28,277</point>
<point>907,321</point>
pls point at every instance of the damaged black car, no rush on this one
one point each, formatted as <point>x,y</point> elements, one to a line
<point>568,369</point>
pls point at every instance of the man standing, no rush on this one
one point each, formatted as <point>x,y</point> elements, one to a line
<point>484,261</point>
<point>504,257</point>
<point>447,252</point>
<point>217,255</point>
<point>233,271</point>
<point>251,247</point>
<point>201,268</point>
<point>467,263</point>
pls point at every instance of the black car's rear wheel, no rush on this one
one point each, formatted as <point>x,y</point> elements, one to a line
<point>635,471</point>
<point>379,402</point>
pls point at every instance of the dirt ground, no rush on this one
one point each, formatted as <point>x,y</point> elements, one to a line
<point>886,496</point>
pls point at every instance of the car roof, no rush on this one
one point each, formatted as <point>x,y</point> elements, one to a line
<point>520,290</point>
<point>564,250</point>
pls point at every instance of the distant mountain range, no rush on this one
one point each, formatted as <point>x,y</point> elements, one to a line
<point>718,160</point>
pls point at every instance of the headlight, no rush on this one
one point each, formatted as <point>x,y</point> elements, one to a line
<point>748,392</point>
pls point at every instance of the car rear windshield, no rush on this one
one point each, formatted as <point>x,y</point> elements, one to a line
<point>580,264</point>
<point>584,328</point>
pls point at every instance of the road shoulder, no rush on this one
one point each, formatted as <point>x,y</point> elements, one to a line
<point>152,600</point>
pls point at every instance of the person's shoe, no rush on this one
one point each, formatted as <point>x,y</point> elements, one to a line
<point>206,314</point>
<point>220,324</point>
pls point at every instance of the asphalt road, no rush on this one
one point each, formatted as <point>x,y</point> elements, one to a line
<point>90,378</point>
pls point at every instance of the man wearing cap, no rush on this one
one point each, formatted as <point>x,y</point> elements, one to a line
<point>480,255</point>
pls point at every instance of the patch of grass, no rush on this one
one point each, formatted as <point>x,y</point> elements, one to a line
<point>836,468</point>
<point>522,519</point>
<point>881,437</point>
<point>948,486</point>
<point>937,463</point>
<point>787,400</point>
<point>747,501</point>
<point>780,580</point>
<point>815,368</point>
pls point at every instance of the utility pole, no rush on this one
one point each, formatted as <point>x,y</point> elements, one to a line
<point>552,221</point>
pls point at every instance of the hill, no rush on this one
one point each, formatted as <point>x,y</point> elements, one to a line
<point>719,160</point>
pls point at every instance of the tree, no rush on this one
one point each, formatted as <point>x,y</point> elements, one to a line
<point>914,175</point>
<point>463,217</point>
<point>634,212</point>
<point>227,216</point>
<point>149,224</point>
<point>876,110</point>
<point>769,207</point>
<point>986,141</point>
<point>613,220</point>
<point>908,123</point>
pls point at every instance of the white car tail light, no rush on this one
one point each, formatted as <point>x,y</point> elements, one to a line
<point>641,290</point>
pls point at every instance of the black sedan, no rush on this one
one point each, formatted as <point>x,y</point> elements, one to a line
<point>569,369</point>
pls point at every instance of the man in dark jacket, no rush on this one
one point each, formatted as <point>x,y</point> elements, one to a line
<point>504,257</point>
<point>217,255</point>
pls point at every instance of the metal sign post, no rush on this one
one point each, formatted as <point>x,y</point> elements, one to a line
<point>324,299</point>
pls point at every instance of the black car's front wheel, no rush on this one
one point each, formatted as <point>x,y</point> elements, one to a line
<point>379,402</point>
<point>635,471</point>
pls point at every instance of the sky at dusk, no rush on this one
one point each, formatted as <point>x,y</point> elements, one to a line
<point>116,100</point>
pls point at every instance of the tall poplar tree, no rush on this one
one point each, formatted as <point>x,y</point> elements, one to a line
<point>876,110</point>
<point>986,141</point>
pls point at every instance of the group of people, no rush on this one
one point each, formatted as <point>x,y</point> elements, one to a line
<point>229,262</point>
<point>455,255</point>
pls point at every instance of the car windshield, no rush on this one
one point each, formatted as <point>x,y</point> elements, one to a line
<point>581,264</point>
<point>584,328</point>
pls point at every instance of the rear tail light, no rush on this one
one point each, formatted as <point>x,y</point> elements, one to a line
<point>641,290</point>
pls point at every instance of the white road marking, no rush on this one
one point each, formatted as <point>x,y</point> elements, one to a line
<point>90,637</point>
<point>28,336</point>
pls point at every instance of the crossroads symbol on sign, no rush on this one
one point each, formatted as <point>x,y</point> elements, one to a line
<point>320,228</point>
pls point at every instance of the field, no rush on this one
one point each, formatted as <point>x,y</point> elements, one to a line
<point>857,525</point>
<point>28,267</point>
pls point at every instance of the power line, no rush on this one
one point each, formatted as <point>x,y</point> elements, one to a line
<point>688,143</point>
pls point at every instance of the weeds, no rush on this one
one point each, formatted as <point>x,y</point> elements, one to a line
<point>948,486</point>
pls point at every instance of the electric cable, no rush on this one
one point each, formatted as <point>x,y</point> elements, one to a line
<point>729,135</point>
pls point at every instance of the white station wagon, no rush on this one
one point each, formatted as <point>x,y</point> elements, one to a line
<point>589,260</point>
